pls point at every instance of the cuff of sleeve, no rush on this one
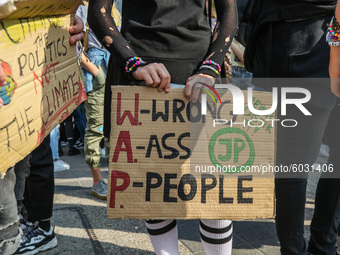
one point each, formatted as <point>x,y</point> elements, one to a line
<point>208,72</point>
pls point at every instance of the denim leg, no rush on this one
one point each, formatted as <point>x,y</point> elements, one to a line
<point>80,121</point>
<point>54,137</point>
<point>9,220</point>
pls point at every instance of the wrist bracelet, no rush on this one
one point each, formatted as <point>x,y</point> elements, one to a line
<point>133,63</point>
<point>333,34</point>
<point>209,67</point>
<point>210,62</point>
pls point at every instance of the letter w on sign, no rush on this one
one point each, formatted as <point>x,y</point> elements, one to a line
<point>120,119</point>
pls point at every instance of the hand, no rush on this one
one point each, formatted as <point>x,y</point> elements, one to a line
<point>1,103</point>
<point>76,30</point>
<point>154,75</point>
<point>194,83</point>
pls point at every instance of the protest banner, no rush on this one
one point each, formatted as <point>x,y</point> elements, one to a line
<point>170,161</point>
<point>43,85</point>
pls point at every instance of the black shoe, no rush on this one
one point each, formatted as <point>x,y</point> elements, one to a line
<point>73,151</point>
<point>36,240</point>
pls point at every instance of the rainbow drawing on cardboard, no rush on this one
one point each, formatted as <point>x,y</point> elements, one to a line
<point>7,91</point>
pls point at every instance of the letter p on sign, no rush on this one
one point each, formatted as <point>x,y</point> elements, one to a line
<point>115,175</point>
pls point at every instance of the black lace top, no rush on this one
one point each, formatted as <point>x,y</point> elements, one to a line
<point>173,32</point>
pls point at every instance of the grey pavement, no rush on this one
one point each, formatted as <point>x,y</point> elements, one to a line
<point>82,227</point>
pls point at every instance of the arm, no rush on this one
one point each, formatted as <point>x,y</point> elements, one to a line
<point>88,65</point>
<point>334,63</point>
<point>238,52</point>
<point>223,35</point>
<point>104,27</point>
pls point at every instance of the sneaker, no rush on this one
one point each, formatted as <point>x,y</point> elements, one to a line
<point>79,145</point>
<point>60,165</point>
<point>63,144</point>
<point>36,239</point>
<point>73,151</point>
<point>324,151</point>
<point>100,190</point>
<point>24,224</point>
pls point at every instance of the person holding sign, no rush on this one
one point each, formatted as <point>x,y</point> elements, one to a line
<point>9,220</point>
<point>301,53</point>
<point>162,42</point>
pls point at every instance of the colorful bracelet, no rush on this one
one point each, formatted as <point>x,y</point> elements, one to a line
<point>133,63</point>
<point>333,34</point>
<point>209,67</point>
<point>210,62</point>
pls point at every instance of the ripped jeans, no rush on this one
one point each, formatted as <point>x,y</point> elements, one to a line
<point>9,220</point>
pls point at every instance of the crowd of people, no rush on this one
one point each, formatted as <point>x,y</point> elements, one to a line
<point>159,43</point>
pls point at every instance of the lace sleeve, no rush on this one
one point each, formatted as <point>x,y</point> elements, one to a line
<point>223,34</point>
<point>104,27</point>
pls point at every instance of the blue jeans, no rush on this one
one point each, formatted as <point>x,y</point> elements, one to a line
<point>242,78</point>
<point>80,120</point>
<point>9,220</point>
<point>98,57</point>
<point>54,137</point>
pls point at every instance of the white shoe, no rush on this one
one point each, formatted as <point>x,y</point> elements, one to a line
<point>324,151</point>
<point>60,165</point>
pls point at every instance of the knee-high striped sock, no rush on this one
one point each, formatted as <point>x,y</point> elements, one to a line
<point>164,236</point>
<point>216,236</point>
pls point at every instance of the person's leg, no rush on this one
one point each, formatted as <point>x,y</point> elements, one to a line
<point>38,200</point>
<point>298,145</point>
<point>164,236</point>
<point>94,131</point>
<point>22,170</point>
<point>9,221</point>
<point>70,136</point>
<point>54,137</point>
<point>39,190</point>
<point>326,218</point>
<point>216,236</point>
<point>80,120</point>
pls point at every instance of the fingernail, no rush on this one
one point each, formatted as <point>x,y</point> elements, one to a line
<point>4,83</point>
<point>167,90</point>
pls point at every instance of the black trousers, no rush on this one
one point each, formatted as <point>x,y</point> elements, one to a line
<point>39,190</point>
<point>326,218</point>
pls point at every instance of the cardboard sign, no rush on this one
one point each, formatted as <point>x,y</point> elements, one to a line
<point>35,8</point>
<point>163,151</point>
<point>43,86</point>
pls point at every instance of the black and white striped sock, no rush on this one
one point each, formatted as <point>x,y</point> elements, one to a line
<point>164,236</point>
<point>216,236</point>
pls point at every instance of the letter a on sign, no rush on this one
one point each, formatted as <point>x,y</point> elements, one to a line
<point>124,137</point>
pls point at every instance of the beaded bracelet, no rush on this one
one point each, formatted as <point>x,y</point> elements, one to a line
<point>133,63</point>
<point>209,67</point>
<point>333,34</point>
<point>210,62</point>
